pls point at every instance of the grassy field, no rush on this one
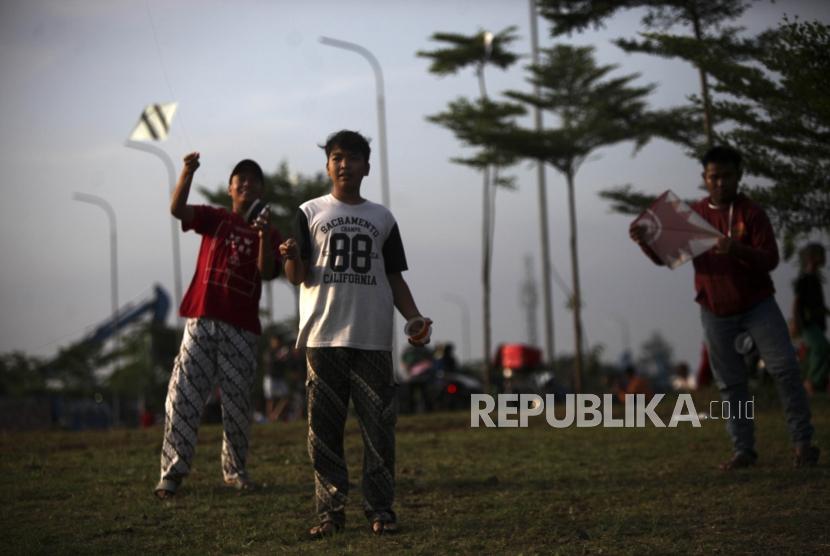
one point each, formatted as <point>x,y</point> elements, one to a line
<point>460,491</point>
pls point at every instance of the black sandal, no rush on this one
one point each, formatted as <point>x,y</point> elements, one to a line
<point>164,494</point>
<point>741,460</point>
<point>325,529</point>
<point>381,526</point>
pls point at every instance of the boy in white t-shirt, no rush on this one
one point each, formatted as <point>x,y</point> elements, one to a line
<point>348,257</point>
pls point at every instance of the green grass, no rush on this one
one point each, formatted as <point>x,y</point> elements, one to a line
<point>460,491</point>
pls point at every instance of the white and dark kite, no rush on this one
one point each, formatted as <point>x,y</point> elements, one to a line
<point>674,231</point>
<point>154,123</point>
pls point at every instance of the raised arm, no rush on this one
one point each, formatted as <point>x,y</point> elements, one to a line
<point>178,203</point>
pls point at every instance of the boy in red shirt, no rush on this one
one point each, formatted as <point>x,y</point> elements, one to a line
<point>736,295</point>
<point>222,329</point>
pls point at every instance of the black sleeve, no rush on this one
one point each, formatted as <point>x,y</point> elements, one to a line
<point>302,235</point>
<point>393,256</point>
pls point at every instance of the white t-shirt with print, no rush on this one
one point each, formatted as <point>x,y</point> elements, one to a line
<point>346,300</point>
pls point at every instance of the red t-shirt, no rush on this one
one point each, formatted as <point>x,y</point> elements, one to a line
<point>227,284</point>
<point>725,284</point>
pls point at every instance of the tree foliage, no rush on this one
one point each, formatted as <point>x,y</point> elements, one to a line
<point>19,375</point>
<point>472,120</point>
<point>468,119</point>
<point>145,361</point>
<point>768,99</point>
<point>569,16</point>
<point>592,109</point>
<point>780,111</point>
<point>705,19</point>
<point>470,50</point>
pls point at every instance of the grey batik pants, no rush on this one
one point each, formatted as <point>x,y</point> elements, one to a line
<point>212,352</point>
<point>335,375</point>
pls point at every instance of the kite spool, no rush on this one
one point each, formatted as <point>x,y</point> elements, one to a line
<point>257,209</point>
<point>418,329</point>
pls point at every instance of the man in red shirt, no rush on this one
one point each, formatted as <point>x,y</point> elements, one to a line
<point>736,295</point>
<point>221,306</point>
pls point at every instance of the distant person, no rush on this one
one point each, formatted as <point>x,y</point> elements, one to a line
<point>348,257</point>
<point>420,366</point>
<point>810,317</point>
<point>222,310</point>
<point>633,383</point>
<point>736,295</point>
<point>682,380</point>
<point>278,360</point>
<point>447,361</point>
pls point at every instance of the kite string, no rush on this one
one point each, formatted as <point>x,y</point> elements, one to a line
<point>164,71</point>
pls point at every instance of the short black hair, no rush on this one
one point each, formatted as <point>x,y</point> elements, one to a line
<point>723,154</point>
<point>350,141</point>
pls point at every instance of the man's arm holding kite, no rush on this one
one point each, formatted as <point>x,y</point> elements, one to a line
<point>761,251</point>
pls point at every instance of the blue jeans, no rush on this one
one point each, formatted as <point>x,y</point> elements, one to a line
<point>768,329</point>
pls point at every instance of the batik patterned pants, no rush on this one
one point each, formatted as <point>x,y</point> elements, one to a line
<point>334,375</point>
<point>212,352</point>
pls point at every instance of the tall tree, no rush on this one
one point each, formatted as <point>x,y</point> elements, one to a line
<point>478,51</point>
<point>592,110</point>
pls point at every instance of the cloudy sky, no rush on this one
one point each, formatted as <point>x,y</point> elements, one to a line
<point>253,80</point>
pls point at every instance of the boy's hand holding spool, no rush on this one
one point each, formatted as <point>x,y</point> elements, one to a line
<point>419,330</point>
<point>258,216</point>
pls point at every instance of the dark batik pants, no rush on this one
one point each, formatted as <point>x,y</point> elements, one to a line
<point>334,375</point>
<point>212,352</point>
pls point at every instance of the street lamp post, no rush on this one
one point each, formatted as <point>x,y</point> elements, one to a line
<point>174,232</point>
<point>384,170</point>
<point>547,292</point>
<point>101,203</point>
<point>487,224</point>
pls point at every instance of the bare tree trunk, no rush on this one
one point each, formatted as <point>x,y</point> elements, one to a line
<point>704,81</point>
<point>577,296</point>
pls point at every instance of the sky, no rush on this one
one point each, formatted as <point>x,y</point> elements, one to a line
<point>253,81</point>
